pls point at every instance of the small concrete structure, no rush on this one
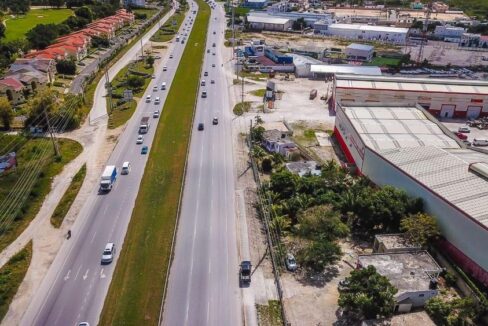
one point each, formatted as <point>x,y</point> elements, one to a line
<point>303,168</point>
<point>414,274</point>
<point>359,52</point>
<point>393,243</point>
<point>276,141</point>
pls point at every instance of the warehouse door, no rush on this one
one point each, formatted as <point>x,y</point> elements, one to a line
<point>447,110</point>
<point>473,112</point>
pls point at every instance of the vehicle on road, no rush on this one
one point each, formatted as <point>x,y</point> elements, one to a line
<point>460,135</point>
<point>208,50</point>
<point>140,139</point>
<point>155,88</point>
<point>213,45</point>
<point>156,114</point>
<point>245,272</point>
<point>480,142</point>
<point>165,68</point>
<point>178,38</point>
<point>464,129</point>
<point>108,253</point>
<point>291,263</point>
<point>171,56</point>
<point>213,65</point>
<point>84,324</point>
<point>144,149</point>
<point>108,178</point>
<point>215,121</point>
<point>202,83</point>
<point>157,100</point>
<point>125,168</point>
<point>212,81</point>
<point>214,32</point>
<point>204,94</point>
<point>205,73</point>
<point>144,126</point>
<point>148,98</point>
<point>201,126</point>
<point>213,53</point>
<point>163,86</point>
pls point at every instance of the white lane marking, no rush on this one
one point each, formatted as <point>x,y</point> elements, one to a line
<point>67,275</point>
<point>77,272</point>
<point>86,274</point>
<point>93,237</point>
<point>102,275</point>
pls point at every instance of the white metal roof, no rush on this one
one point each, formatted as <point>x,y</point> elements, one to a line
<point>358,46</point>
<point>447,175</point>
<point>413,84</point>
<point>267,19</point>
<point>299,59</point>
<point>383,128</point>
<point>346,69</point>
<point>372,28</point>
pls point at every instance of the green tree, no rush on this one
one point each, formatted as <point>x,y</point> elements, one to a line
<point>45,100</point>
<point>2,30</point>
<point>56,3</point>
<point>457,311</point>
<point>267,165</point>
<point>420,228</point>
<point>367,294</point>
<point>299,24</point>
<point>6,114</point>
<point>257,134</point>
<point>42,35</point>
<point>67,67</point>
<point>321,222</point>
<point>84,12</point>
<point>135,82</point>
<point>150,60</point>
<point>283,183</point>
<point>63,29</point>
<point>319,254</point>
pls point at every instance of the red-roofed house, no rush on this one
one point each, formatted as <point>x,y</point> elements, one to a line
<point>12,88</point>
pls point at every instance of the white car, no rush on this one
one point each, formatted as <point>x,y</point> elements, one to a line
<point>148,99</point>
<point>125,168</point>
<point>165,68</point>
<point>155,88</point>
<point>464,129</point>
<point>140,139</point>
<point>156,114</point>
<point>163,86</point>
<point>157,100</point>
<point>108,253</point>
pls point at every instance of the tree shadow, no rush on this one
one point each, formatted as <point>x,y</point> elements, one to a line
<point>343,319</point>
<point>315,279</point>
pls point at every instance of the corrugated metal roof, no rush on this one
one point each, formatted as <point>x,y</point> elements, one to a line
<point>396,127</point>
<point>413,84</point>
<point>346,69</point>
<point>363,47</point>
<point>447,175</point>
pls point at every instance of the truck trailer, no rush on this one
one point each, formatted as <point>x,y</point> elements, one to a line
<point>108,178</point>
<point>144,126</point>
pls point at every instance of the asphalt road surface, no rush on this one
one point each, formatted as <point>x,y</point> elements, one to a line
<point>75,287</point>
<point>203,284</point>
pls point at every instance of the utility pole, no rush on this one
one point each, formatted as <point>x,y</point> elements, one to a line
<point>53,139</point>
<point>109,91</point>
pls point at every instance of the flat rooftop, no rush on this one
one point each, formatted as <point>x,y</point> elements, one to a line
<point>346,69</point>
<point>383,128</point>
<point>446,173</point>
<point>395,241</point>
<point>413,84</point>
<point>267,19</point>
<point>373,28</point>
<point>406,271</point>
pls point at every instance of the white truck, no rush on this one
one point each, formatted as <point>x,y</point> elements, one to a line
<point>108,178</point>
<point>144,126</point>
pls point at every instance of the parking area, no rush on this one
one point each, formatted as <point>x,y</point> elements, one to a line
<point>454,125</point>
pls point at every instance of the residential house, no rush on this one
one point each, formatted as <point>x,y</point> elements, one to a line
<point>13,89</point>
<point>303,168</point>
<point>29,71</point>
<point>276,141</point>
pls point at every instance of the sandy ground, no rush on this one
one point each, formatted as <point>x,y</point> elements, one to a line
<point>444,53</point>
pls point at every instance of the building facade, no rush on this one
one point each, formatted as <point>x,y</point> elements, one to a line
<point>359,52</point>
<point>385,34</point>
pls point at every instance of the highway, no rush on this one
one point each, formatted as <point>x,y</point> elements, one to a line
<point>203,284</point>
<point>75,287</point>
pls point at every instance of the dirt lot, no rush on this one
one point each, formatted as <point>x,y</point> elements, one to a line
<point>444,53</point>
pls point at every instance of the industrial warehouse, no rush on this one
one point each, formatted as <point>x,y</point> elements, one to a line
<point>406,147</point>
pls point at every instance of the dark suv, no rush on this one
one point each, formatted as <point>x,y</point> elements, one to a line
<point>200,126</point>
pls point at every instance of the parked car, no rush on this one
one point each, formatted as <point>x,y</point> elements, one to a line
<point>460,135</point>
<point>480,142</point>
<point>171,56</point>
<point>245,272</point>
<point>140,139</point>
<point>291,263</point>
<point>464,129</point>
<point>213,65</point>
<point>144,149</point>
<point>108,253</point>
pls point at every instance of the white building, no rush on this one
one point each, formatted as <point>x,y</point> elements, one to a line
<point>269,23</point>
<point>368,32</point>
<point>414,274</point>
<point>359,52</point>
<point>449,33</point>
<point>446,98</point>
<point>302,64</point>
<point>406,148</point>
<point>320,71</point>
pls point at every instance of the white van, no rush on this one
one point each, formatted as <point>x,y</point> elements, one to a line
<point>108,253</point>
<point>125,168</point>
<point>163,86</point>
<point>480,142</point>
<point>148,98</point>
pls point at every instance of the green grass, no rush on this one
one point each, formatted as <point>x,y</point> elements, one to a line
<point>269,315</point>
<point>17,27</point>
<point>148,11</point>
<point>68,198</point>
<point>69,150</point>
<point>383,62</point>
<point>136,291</point>
<point>11,276</point>
<point>121,114</point>
<point>240,108</point>
<point>258,92</point>
<point>167,31</point>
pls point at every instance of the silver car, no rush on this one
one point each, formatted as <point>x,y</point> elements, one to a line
<point>108,253</point>
<point>291,263</point>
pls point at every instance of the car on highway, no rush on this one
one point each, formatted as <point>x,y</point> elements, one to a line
<point>165,68</point>
<point>213,45</point>
<point>163,86</point>
<point>84,324</point>
<point>291,263</point>
<point>215,121</point>
<point>208,50</point>
<point>213,65</point>
<point>182,41</point>
<point>156,114</point>
<point>212,81</point>
<point>201,126</point>
<point>155,88</point>
<point>144,149</point>
<point>171,56</point>
<point>108,253</point>
<point>157,100</point>
<point>140,139</point>
<point>204,94</point>
<point>148,98</point>
<point>205,73</point>
<point>202,83</point>
<point>464,129</point>
<point>213,53</point>
<point>125,168</point>
<point>214,32</point>
<point>460,135</point>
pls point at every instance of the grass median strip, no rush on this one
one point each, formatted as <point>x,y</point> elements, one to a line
<point>135,294</point>
<point>11,276</point>
<point>68,198</point>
